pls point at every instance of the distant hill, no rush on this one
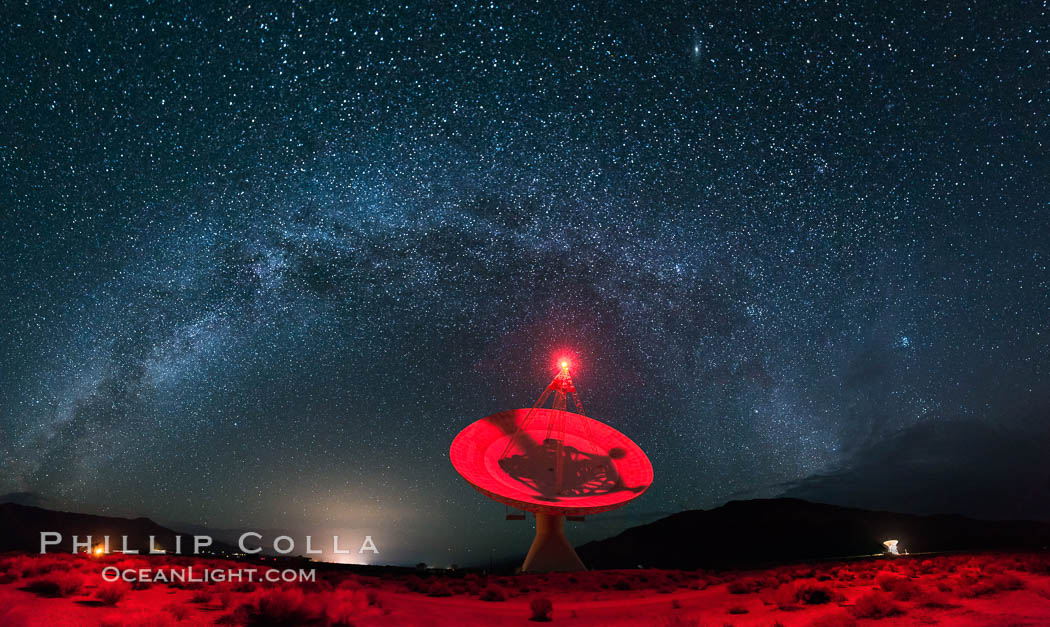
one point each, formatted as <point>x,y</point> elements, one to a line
<point>772,531</point>
<point>20,527</point>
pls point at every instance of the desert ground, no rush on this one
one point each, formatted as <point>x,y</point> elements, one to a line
<point>972,589</point>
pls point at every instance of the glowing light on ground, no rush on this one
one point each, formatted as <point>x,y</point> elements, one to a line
<point>357,560</point>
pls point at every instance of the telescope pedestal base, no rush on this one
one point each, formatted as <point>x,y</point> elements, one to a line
<point>551,551</point>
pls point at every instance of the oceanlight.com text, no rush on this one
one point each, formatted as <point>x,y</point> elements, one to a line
<point>208,575</point>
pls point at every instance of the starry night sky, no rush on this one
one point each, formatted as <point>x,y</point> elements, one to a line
<point>261,264</point>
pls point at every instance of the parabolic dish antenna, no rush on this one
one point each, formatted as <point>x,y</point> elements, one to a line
<point>553,463</point>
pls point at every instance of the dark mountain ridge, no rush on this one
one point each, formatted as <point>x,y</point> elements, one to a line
<point>773,531</point>
<point>21,526</point>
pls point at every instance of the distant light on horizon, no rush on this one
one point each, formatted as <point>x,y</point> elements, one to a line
<point>353,559</point>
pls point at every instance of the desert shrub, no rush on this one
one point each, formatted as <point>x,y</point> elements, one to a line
<point>492,593</point>
<point>992,567</point>
<point>885,579</point>
<point>681,621</point>
<point>348,580</point>
<point>8,577</point>
<point>31,566</point>
<point>178,611</point>
<point>541,608</point>
<point>56,585</point>
<point>783,597</point>
<point>876,604</point>
<point>970,588</point>
<point>621,584</point>
<point>1001,583</point>
<point>372,597</point>
<point>110,593</point>
<point>906,590</point>
<point>736,609</point>
<point>973,584</point>
<point>813,593</point>
<point>245,586</point>
<point>131,564</point>
<point>439,589</point>
<point>186,585</point>
<point>900,588</point>
<point>1034,564</point>
<point>139,618</point>
<point>932,598</point>
<point>340,610</point>
<point>319,585</point>
<point>745,586</point>
<point>840,619</point>
<point>201,596</point>
<point>810,592</point>
<point>283,606</point>
<point>416,584</point>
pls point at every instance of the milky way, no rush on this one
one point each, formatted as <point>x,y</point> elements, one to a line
<point>262,264</point>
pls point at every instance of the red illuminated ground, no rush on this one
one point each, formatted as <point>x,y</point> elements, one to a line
<point>984,590</point>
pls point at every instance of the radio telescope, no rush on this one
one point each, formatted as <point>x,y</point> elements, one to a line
<point>553,463</point>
